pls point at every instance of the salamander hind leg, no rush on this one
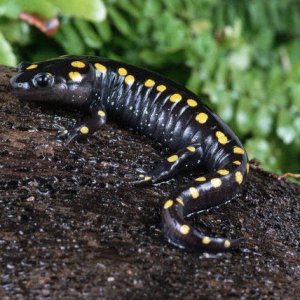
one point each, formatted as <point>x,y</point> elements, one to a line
<point>172,165</point>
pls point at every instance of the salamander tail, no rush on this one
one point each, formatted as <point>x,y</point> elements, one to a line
<point>207,191</point>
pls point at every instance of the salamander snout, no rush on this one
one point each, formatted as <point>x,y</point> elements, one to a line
<point>16,84</point>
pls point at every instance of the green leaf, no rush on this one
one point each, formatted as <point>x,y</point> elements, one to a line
<point>297,127</point>
<point>130,8</point>
<point>295,94</point>
<point>93,10</point>
<point>285,129</point>
<point>174,35</point>
<point>240,59</point>
<point>7,57</point>
<point>225,107</point>
<point>151,8</point>
<point>104,30</point>
<point>264,120</point>
<point>15,32</point>
<point>13,8</point>
<point>193,81</point>
<point>244,115</point>
<point>88,34</point>
<point>175,5</point>
<point>69,39</point>
<point>120,22</point>
<point>152,58</point>
<point>264,152</point>
<point>202,44</point>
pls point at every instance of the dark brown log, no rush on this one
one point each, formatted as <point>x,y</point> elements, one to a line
<point>72,225</point>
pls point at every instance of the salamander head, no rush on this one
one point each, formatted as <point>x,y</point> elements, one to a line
<point>67,79</point>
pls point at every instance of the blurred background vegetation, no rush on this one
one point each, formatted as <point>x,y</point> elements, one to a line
<point>243,54</point>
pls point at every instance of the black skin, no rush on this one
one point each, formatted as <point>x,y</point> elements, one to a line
<point>160,109</point>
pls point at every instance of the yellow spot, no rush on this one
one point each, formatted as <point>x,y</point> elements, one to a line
<point>129,79</point>
<point>237,162</point>
<point>168,204</point>
<point>172,158</point>
<point>238,150</point>
<point>206,240</point>
<point>248,168</point>
<point>147,178</point>
<point>84,130</point>
<point>201,179</point>
<point>33,66</point>
<point>191,148</point>
<point>100,68</point>
<point>101,113</point>
<point>239,177</point>
<point>77,64</point>
<point>149,83</point>
<point>191,102</point>
<point>201,118</point>
<point>222,138</point>
<point>161,88</point>
<point>122,71</point>
<point>75,76</point>
<point>216,182</point>
<point>180,200</point>
<point>185,229</point>
<point>175,98</point>
<point>223,172</point>
<point>227,244</point>
<point>194,192</point>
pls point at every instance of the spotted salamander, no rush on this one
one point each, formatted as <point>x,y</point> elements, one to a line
<point>160,109</point>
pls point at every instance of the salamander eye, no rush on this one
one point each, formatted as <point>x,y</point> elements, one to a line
<point>43,80</point>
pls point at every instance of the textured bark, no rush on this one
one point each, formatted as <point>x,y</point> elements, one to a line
<point>72,225</point>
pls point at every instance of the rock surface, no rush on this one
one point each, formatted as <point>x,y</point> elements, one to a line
<point>72,226</point>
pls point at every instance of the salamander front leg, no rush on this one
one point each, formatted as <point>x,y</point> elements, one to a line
<point>170,167</point>
<point>90,125</point>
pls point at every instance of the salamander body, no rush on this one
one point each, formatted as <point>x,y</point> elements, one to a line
<point>160,109</point>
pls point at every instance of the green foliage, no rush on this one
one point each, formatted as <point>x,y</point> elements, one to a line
<point>243,54</point>
<point>93,10</point>
<point>6,52</point>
